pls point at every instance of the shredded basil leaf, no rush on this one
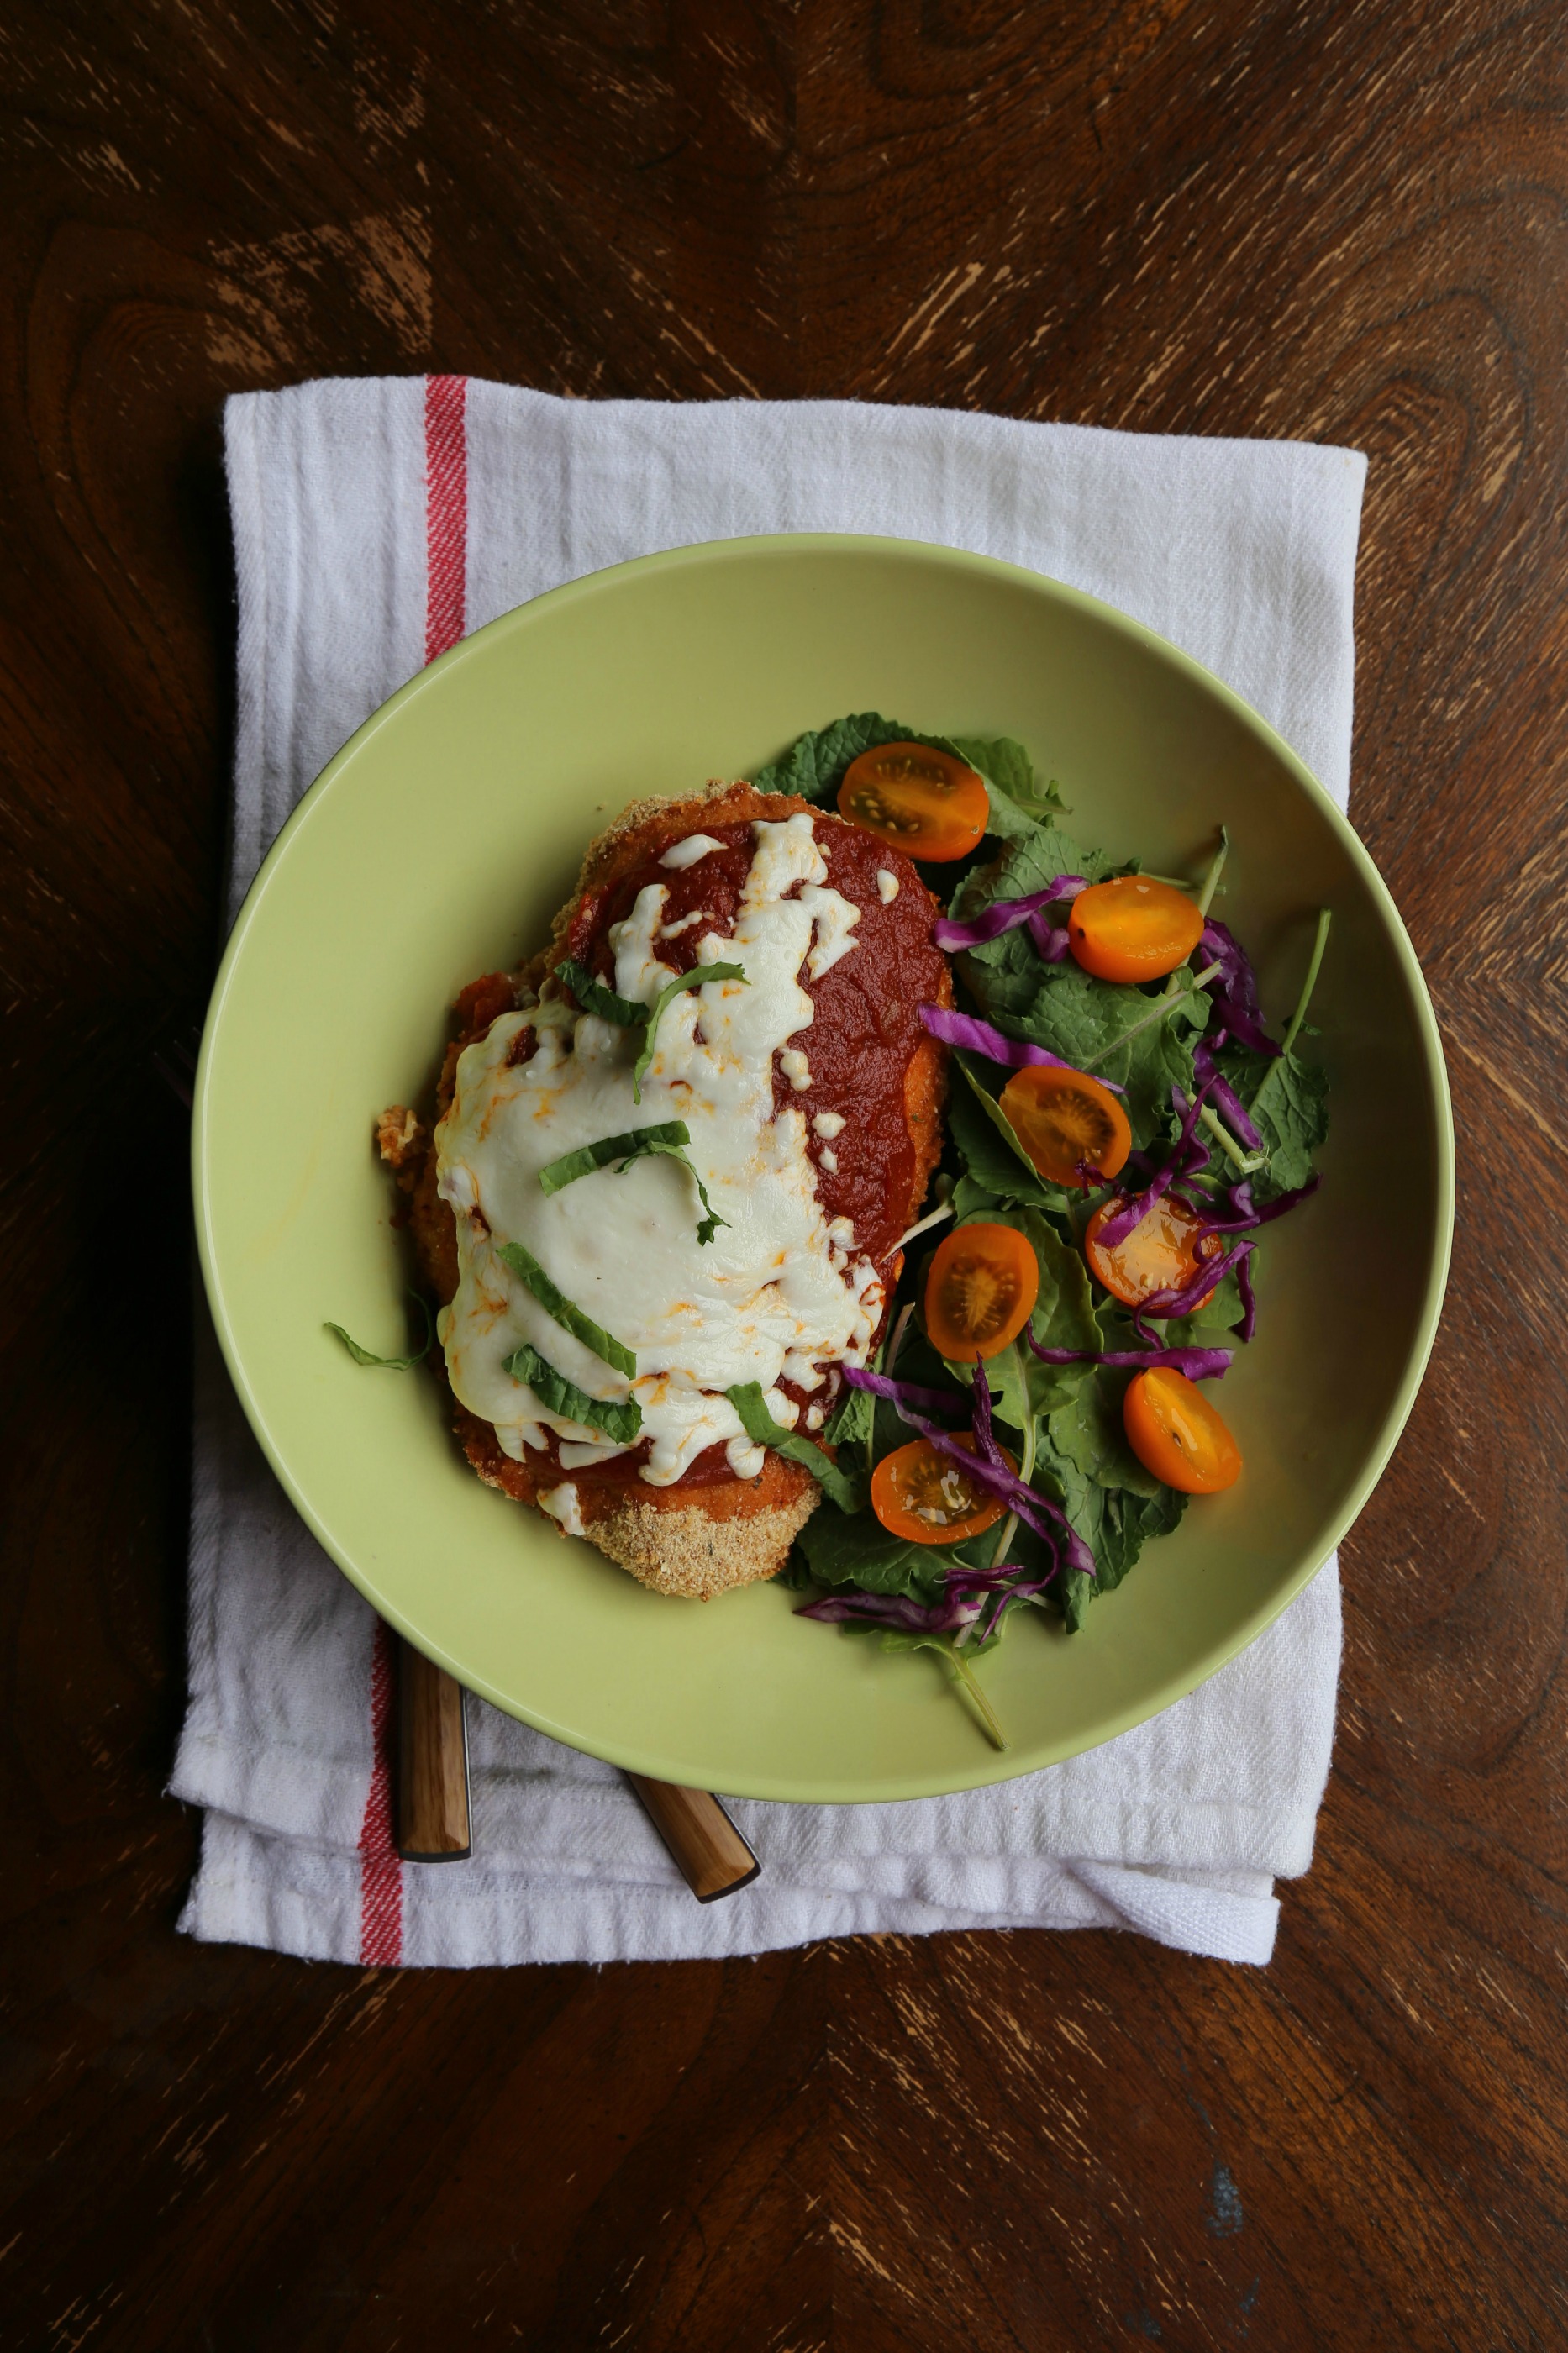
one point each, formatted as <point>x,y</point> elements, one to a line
<point>570,1317</point>
<point>618,1418</point>
<point>391,1363</point>
<point>699,975</point>
<point>594,997</point>
<point>763,1431</point>
<point>710,1222</point>
<point>636,1144</point>
<point>631,1145</point>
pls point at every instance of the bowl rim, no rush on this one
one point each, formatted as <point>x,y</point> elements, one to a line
<point>1176,1685</point>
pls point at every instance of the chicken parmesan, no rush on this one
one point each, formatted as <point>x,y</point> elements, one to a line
<point>673,1161</point>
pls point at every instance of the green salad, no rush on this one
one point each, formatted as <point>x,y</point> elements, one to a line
<point>1122,1128</point>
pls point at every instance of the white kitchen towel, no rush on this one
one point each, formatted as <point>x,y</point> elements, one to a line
<point>374,522</point>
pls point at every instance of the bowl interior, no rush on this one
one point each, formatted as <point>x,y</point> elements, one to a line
<point>439,844</point>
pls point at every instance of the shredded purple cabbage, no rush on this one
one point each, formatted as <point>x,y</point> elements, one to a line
<point>1248,1324</point>
<point>1048,1521</point>
<point>1223,1095</point>
<point>1182,1298</point>
<point>1025,1589</point>
<point>1005,915</point>
<point>1248,1215</point>
<point>966,1594</point>
<point>965,1029</point>
<point>1197,1364</point>
<point>896,1610</point>
<point>903,1393</point>
<point>1051,941</point>
<point>1235,993</point>
<point>1185,1158</point>
<point>987,1467</point>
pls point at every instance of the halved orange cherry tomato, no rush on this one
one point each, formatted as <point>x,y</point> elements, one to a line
<point>1176,1433</point>
<point>925,1497</point>
<point>1063,1117</point>
<point>1165,1249</point>
<point>1133,928</point>
<point>925,803</point>
<point>981,1292</point>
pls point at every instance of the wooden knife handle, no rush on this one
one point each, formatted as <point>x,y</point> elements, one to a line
<point>432,1762</point>
<point>713,1858</point>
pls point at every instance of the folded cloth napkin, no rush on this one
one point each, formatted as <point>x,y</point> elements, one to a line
<point>374,522</point>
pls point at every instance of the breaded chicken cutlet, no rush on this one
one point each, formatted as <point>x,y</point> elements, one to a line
<point>598,1305</point>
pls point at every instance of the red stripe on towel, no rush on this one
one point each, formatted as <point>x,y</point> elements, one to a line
<point>446,512</point>
<point>446,604</point>
<point>381,1870</point>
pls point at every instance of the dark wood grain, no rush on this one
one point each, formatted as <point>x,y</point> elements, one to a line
<point>1281,219</point>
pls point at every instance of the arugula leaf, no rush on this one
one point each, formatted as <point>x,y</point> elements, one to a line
<point>1221,1314</point>
<point>956,1661</point>
<point>594,997</point>
<point>1039,859</point>
<point>849,1423</point>
<point>390,1363</point>
<point>857,1549</point>
<point>636,1144</point>
<point>990,1152</point>
<point>812,768</point>
<point>1088,1429</point>
<point>1113,1521</point>
<point>570,1317</point>
<point>760,1428</point>
<point>1292,1116</point>
<point>1064,1317</point>
<point>698,978</point>
<point>1006,821</point>
<point>1079,1018</point>
<point>971,1199</point>
<point>618,1418</point>
<point>815,765</point>
<point>1003,762</point>
<point>1005,973</point>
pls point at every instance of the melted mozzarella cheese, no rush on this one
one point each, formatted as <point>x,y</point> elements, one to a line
<point>834,918</point>
<point>561,1503</point>
<point>685,853</point>
<point>778,1288</point>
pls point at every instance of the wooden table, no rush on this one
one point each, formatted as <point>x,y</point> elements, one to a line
<point>1344,223</point>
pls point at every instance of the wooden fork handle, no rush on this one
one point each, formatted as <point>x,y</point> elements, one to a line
<point>432,1762</point>
<point>713,1858</point>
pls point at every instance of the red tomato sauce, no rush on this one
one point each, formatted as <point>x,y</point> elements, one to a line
<point>858,1047</point>
<point>867,1025</point>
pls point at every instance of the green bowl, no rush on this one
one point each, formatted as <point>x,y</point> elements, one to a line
<point>437,844</point>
